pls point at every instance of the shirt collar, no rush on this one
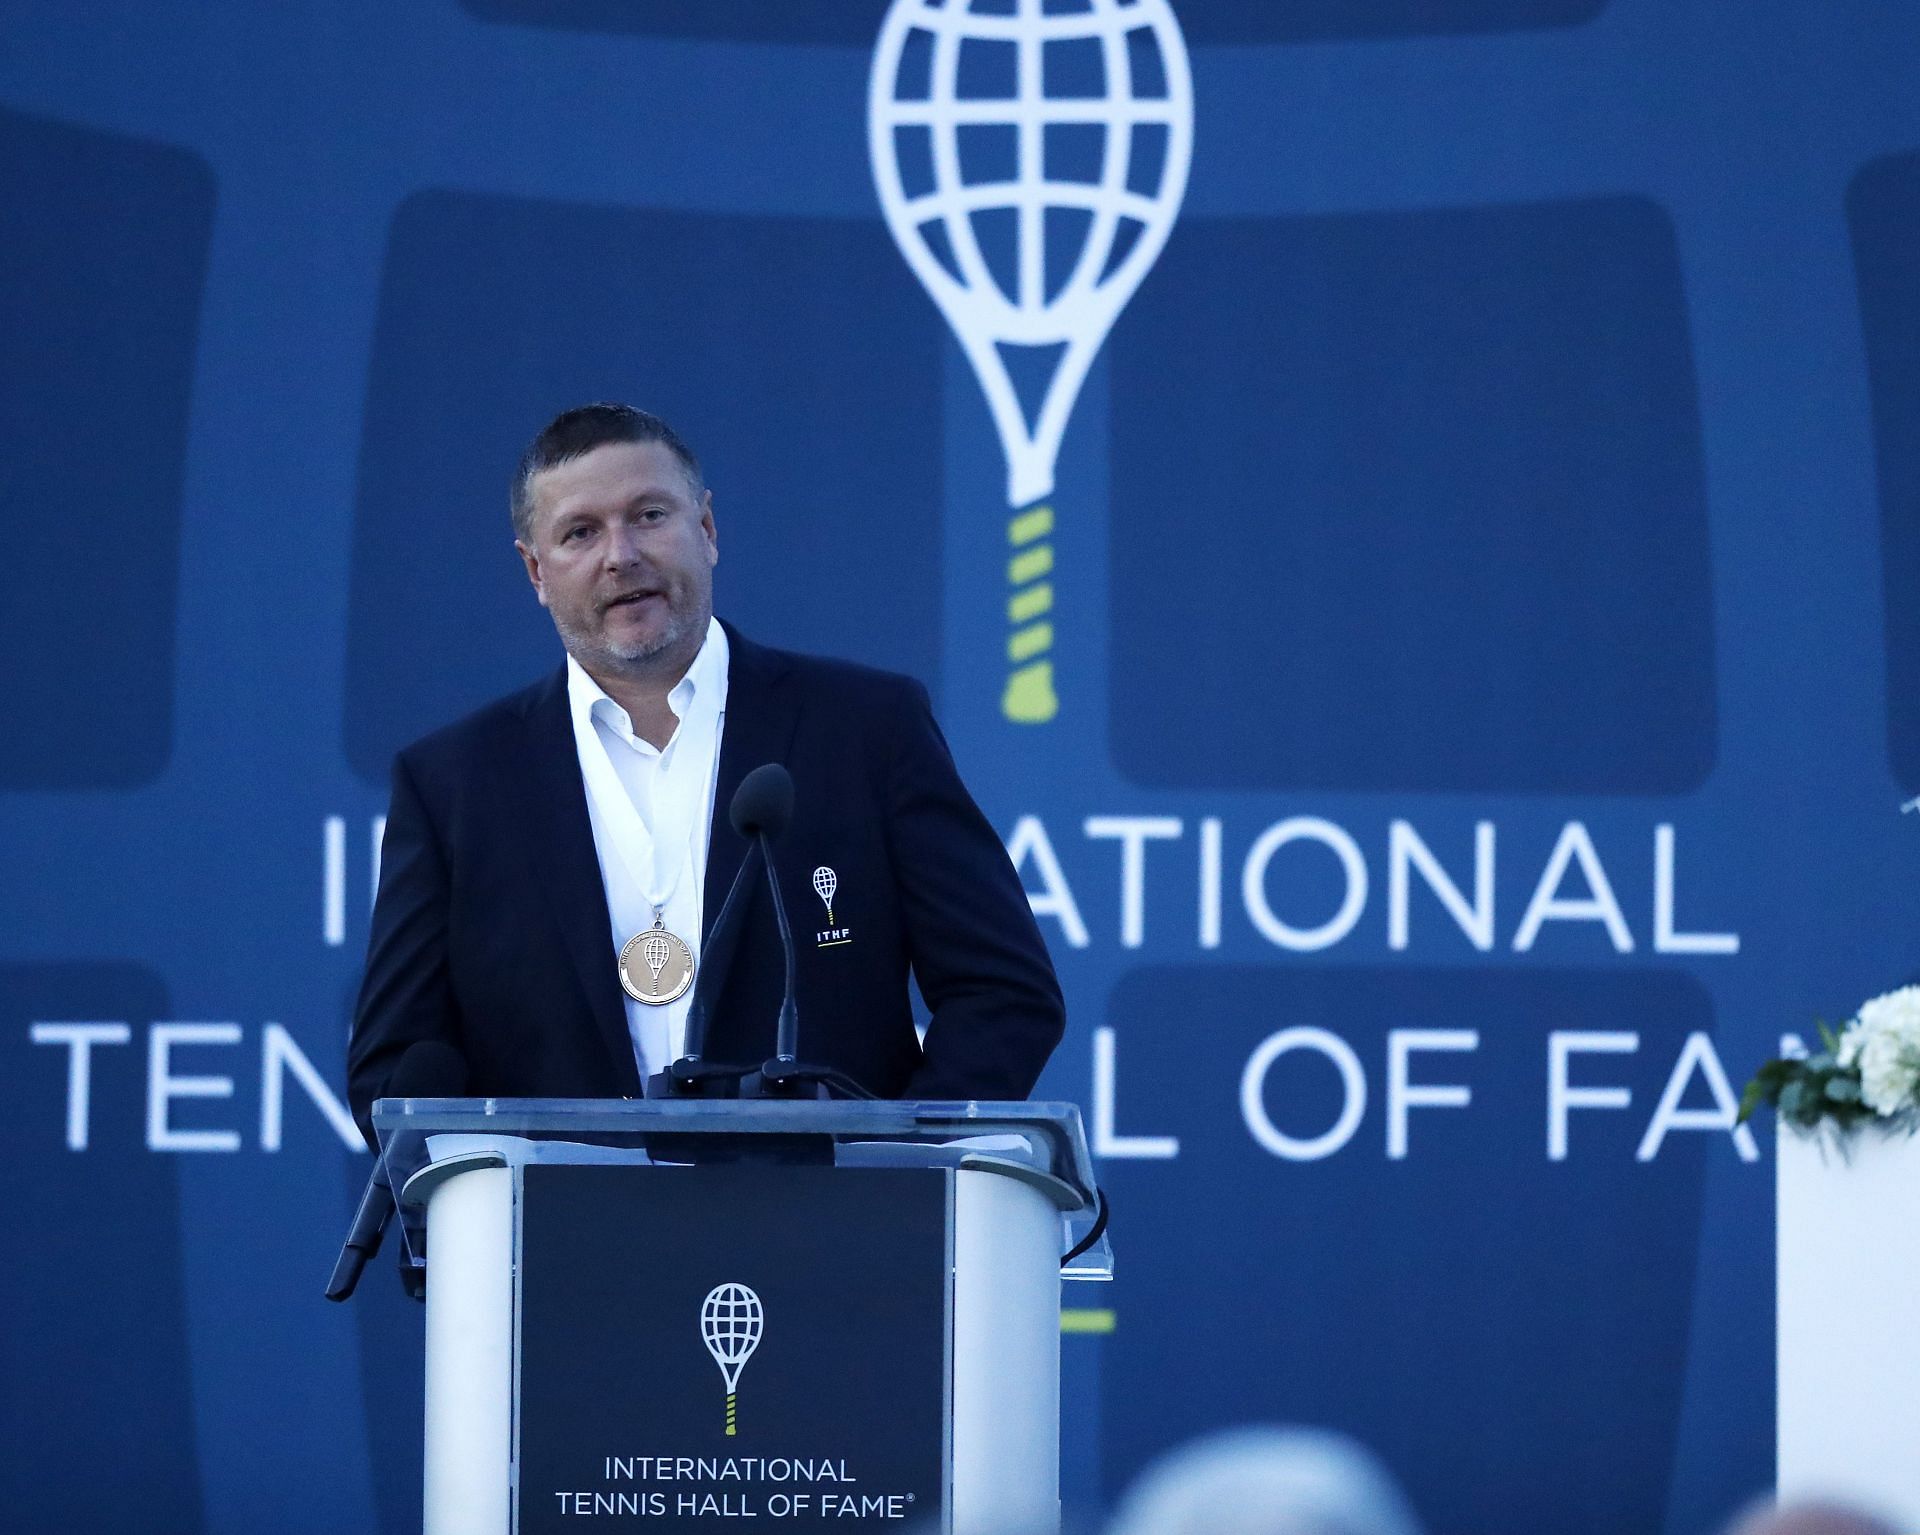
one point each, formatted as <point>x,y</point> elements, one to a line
<point>704,688</point>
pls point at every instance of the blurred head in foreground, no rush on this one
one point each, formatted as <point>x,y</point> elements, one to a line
<point>1266,1481</point>
<point>1806,1517</point>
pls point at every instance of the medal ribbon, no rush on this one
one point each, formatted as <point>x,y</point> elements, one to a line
<point>639,849</point>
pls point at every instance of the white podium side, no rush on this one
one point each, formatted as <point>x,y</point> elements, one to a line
<point>470,1349</point>
<point>1006,1357</point>
<point>1848,1307</point>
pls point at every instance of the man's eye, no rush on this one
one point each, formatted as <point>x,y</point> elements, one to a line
<point>573,534</point>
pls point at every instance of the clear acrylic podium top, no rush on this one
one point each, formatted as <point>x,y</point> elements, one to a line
<point>1040,1143</point>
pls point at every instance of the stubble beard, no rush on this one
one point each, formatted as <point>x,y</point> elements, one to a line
<point>639,660</point>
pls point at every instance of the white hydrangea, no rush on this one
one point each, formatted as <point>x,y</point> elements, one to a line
<point>1884,1043</point>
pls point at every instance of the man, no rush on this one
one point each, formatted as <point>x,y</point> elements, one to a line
<point>552,863</point>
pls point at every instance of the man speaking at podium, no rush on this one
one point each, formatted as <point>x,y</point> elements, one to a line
<point>553,862</point>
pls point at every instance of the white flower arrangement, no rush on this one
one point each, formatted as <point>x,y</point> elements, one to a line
<point>1883,1044</point>
<point>1869,1073</point>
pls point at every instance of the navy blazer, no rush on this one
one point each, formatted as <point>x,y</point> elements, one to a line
<point>491,931</point>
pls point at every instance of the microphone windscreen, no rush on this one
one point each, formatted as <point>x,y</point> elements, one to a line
<point>763,802</point>
<point>431,1068</point>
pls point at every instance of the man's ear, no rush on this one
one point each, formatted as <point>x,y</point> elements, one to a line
<point>532,562</point>
<point>706,526</point>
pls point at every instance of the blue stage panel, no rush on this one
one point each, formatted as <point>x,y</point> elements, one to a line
<point>96,1396</point>
<point>1412,502</point>
<point>101,274</point>
<point>1883,211</point>
<point>497,313</point>
<point>1204,21</point>
<point>1469,1304</point>
<point>1219,21</point>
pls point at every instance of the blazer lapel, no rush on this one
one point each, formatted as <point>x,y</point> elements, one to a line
<point>577,897</point>
<point>761,715</point>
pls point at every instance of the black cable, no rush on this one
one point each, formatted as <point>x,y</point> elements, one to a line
<point>1099,1229</point>
<point>782,1074</point>
<point>848,1086</point>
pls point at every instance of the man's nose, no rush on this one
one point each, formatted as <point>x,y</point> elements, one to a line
<point>623,547</point>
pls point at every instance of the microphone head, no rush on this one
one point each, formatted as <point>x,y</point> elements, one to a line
<point>431,1068</point>
<point>763,804</point>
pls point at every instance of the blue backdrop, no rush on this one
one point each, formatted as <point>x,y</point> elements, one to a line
<point>1483,628</point>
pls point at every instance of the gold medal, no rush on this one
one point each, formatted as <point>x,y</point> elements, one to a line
<point>656,967</point>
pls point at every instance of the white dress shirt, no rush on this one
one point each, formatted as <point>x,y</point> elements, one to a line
<point>651,810</point>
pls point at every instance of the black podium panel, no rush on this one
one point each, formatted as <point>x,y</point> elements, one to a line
<point>740,1348</point>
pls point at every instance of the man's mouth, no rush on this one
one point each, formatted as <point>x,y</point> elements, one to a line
<point>627,600</point>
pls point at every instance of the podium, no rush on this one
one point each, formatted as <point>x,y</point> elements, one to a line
<point>1847,1293</point>
<point>687,1315</point>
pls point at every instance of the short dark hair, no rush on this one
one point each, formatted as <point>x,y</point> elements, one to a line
<point>574,433</point>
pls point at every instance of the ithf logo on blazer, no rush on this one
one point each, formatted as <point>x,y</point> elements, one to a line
<point>825,884</point>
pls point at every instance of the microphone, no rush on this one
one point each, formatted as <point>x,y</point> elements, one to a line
<point>430,1068</point>
<point>761,810</point>
<point>763,804</point>
<point>763,800</point>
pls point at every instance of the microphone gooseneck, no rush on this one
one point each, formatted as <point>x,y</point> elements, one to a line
<point>762,803</point>
<point>762,809</point>
<point>717,957</point>
<point>430,1068</point>
<point>787,1035</point>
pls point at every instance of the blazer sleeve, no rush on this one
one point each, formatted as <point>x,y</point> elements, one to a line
<point>976,950</point>
<point>405,995</point>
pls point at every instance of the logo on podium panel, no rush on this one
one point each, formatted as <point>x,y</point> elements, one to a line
<point>621,1325</point>
<point>730,1322</point>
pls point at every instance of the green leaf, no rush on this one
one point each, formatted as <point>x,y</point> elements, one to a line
<point>1827,1037</point>
<point>1775,1075</point>
<point>1793,1100</point>
<point>1842,1090</point>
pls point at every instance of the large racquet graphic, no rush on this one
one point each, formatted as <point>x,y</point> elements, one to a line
<point>935,81</point>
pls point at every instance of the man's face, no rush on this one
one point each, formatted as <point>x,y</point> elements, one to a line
<point>621,553</point>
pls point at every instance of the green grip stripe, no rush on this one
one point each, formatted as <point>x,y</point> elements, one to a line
<point>1030,565</point>
<point>1031,603</point>
<point>1024,644</point>
<point>1028,526</point>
